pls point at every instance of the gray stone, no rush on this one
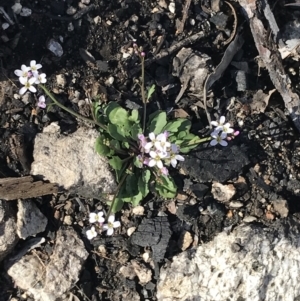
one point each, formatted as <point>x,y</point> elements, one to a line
<point>8,234</point>
<point>50,281</point>
<point>250,264</point>
<point>30,220</point>
<point>72,162</point>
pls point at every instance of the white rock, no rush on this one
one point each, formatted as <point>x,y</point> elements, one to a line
<point>222,193</point>
<point>71,10</point>
<point>70,26</point>
<point>172,7</point>
<point>85,1</point>
<point>252,263</point>
<point>49,281</point>
<point>61,80</point>
<point>72,162</point>
<point>30,220</point>
<point>8,234</point>
<point>138,210</point>
<point>25,12</point>
<point>143,273</point>
<point>55,48</point>
<point>5,25</point>
<point>130,230</point>
<point>17,7</point>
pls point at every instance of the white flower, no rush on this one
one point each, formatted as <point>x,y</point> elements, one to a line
<point>42,102</point>
<point>174,157</point>
<point>218,139</point>
<point>156,159</point>
<point>24,72</point>
<point>34,66</point>
<point>161,142</point>
<point>28,85</point>
<point>40,78</point>
<point>96,217</point>
<point>148,145</point>
<point>91,233</point>
<point>111,224</point>
<point>222,126</point>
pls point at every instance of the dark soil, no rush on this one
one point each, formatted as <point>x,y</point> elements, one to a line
<point>262,162</point>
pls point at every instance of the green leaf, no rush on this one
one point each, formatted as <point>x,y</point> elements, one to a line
<point>117,132</point>
<point>125,144</point>
<point>135,130</point>
<point>111,106</point>
<point>119,116</point>
<point>134,117</point>
<point>143,182</point>
<point>166,187</point>
<point>116,163</point>
<point>158,121</point>
<point>102,148</point>
<point>185,125</point>
<point>150,92</point>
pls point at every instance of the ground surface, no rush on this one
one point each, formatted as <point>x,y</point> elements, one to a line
<point>262,162</point>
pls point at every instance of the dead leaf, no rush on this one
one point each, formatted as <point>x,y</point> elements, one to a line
<point>260,101</point>
<point>180,113</point>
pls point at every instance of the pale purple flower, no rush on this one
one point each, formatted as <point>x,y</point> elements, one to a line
<point>96,218</point>
<point>143,140</point>
<point>218,139</point>
<point>91,233</point>
<point>161,142</point>
<point>24,72</point>
<point>28,85</point>
<point>222,126</point>
<point>40,78</point>
<point>156,159</point>
<point>164,171</point>
<point>111,224</point>
<point>149,145</point>
<point>34,66</point>
<point>42,102</point>
<point>174,156</point>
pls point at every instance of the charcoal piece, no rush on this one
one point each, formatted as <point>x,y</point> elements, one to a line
<point>154,233</point>
<point>187,213</point>
<point>199,190</point>
<point>102,66</point>
<point>219,164</point>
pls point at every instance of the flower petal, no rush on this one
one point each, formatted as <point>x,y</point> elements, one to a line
<point>153,154</point>
<point>110,231</point>
<point>223,135</point>
<point>111,219</point>
<point>222,119</point>
<point>32,89</point>
<point>116,224</point>
<point>92,218</point>
<point>32,80</point>
<point>22,90</point>
<point>159,164</point>
<point>213,142</point>
<point>223,143</point>
<point>152,136</point>
<point>23,80</point>
<point>148,145</point>
<point>173,162</point>
<point>152,163</point>
<point>179,158</point>
<point>105,227</point>
<point>32,63</point>
<point>18,73</point>
<point>214,123</point>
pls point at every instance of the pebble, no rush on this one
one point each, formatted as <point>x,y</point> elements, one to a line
<point>236,204</point>
<point>223,193</point>
<point>138,210</point>
<point>249,219</point>
<point>70,26</point>
<point>55,48</point>
<point>85,1</point>
<point>68,220</point>
<point>172,7</point>
<point>71,10</point>
<point>5,25</point>
<point>281,207</point>
<point>25,12</point>
<point>61,80</point>
<point>130,230</point>
<point>97,20</point>
<point>185,240</point>
<point>17,7</point>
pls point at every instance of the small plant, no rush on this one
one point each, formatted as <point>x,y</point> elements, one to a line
<point>143,151</point>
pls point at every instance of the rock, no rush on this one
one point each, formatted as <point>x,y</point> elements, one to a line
<point>185,240</point>
<point>30,220</point>
<point>73,163</point>
<point>143,273</point>
<point>281,207</point>
<point>265,267</point>
<point>235,204</point>
<point>61,80</point>
<point>8,234</point>
<point>222,193</point>
<point>55,48</point>
<point>216,164</point>
<point>50,281</point>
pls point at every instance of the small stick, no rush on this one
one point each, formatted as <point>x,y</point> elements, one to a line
<point>165,52</point>
<point>184,16</point>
